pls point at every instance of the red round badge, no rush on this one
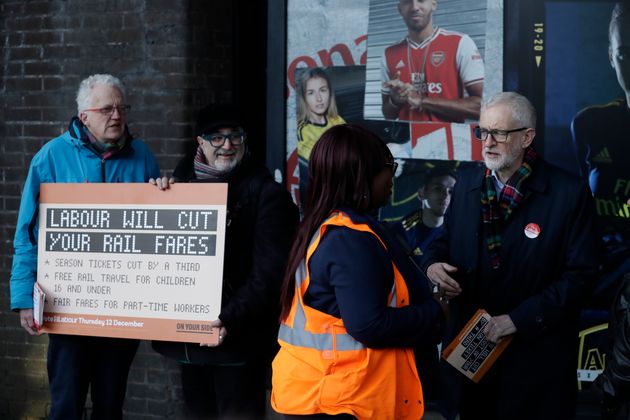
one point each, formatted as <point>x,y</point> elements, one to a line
<point>532,230</point>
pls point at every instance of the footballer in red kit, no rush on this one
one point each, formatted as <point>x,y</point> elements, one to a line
<point>433,74</point>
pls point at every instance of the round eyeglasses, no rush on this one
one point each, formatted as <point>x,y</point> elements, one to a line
<point>217,140</point>
<point>500,136</point>
<point>109,110</point>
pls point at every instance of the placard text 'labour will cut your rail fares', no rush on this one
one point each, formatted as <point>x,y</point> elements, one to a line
<point>129,260</point>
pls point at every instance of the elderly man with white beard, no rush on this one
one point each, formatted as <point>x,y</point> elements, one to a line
<point>519,243</point>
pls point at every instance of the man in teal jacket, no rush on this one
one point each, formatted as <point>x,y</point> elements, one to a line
<point>96,148</point>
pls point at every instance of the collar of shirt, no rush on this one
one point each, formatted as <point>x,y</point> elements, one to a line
<point>413,44</point>
<point>498,185</point>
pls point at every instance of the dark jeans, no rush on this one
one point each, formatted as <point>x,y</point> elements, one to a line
<point>225,392</point>
<point>77,362</point>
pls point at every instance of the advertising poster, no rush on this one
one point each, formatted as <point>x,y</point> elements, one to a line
<point>584,110</point>
<point>342,42</point>
<point>320,33</point>
<point>557,53</point>
<point>446,64</point>
<point>327,96</point>
<point>447,70</point>
<point>411,177</point>
<point>128,260</point>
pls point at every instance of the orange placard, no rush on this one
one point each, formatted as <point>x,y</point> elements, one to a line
<point>131,261</point>
<point>470,352</point>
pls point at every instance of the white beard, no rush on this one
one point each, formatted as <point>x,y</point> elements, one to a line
<point>504,161</point>
<point>225,165</point>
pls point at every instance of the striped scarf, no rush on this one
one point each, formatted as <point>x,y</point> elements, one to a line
<point>104,150</point>
<point>205,171</point>
<point>496,210</point>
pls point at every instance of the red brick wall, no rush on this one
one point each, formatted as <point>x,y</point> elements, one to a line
<point>175,56</point>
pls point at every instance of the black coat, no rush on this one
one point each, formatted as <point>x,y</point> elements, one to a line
<point>541,284</point>
<point>614,382</point>
<point>261,221</point>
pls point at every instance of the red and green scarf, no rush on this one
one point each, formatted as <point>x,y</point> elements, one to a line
<point>104,150</point>
<point>497,210</point>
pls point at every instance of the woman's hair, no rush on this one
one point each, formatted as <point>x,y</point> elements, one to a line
<point>303,112</point>
<point>342,166</point>
<point>84,95</point>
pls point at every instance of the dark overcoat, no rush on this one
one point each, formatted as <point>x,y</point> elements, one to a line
<point>542,282</point>
<point>261,223</point>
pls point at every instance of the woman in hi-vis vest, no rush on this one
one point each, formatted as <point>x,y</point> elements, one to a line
<point>353,303</point>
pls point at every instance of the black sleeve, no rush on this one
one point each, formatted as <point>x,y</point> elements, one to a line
<point>274,227</point>
<point>615,379</point>
<point>184,171</point>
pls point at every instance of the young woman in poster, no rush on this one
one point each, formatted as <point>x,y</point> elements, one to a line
<point>316,113</point>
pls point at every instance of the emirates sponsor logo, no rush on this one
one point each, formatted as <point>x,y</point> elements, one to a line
<point>434,88</point>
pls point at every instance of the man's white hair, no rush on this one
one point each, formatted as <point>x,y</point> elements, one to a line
<point>84,95</point>
<point>523,112</point>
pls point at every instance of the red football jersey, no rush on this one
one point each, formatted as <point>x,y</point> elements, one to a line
<point>448,60</point>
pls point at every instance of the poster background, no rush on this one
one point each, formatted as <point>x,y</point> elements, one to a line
<point>325,33</point>
<point>349,87</point>
<point>320,33</point>
<point>574,71</point>
<point>386,27</point>
<point>404,199</point>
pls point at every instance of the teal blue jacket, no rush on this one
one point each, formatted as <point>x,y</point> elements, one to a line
<point>65,159</point>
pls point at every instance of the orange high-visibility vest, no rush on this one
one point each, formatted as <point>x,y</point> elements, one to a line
<point>320,368</point>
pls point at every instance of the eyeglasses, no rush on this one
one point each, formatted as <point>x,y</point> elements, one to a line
<point>394,166</point>
<point>500,136</point>
<point>109,110</point>
<point>217,140</point>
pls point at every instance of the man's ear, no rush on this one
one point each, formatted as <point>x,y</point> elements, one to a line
<point>199,140</point>
<point>83,117</point>
<point>529,137</point>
